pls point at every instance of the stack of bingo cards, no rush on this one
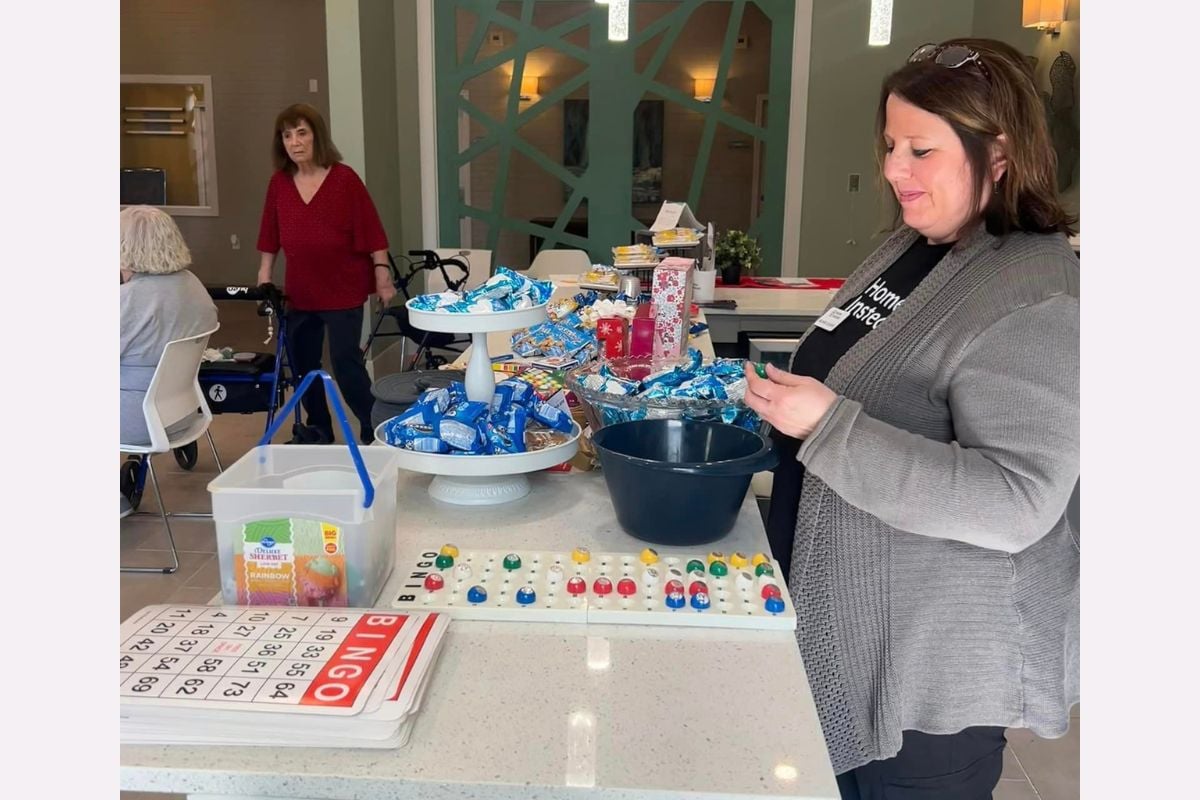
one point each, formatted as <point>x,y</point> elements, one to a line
<point>278,676</point>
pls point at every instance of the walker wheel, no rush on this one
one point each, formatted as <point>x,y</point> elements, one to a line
<point>188,455</point>
<point>129,487</point>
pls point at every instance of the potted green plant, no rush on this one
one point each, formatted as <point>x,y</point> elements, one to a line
<point>736,253</point>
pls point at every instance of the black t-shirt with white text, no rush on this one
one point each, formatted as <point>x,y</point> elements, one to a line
<point>817,356</point>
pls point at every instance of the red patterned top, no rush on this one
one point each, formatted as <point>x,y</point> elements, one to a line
<point>328,241</point>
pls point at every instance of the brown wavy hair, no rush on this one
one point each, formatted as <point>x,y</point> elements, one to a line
<point>324,153</point>
<point>980,105</point>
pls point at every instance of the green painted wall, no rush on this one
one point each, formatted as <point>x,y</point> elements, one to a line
<point>839,229</point>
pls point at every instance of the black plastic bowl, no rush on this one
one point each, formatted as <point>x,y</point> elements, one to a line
<point>679,482</point>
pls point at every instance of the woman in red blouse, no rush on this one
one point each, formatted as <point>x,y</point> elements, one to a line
<point>318,211</point>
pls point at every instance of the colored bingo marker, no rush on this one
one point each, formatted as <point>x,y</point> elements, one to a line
<point>476,595</point>
<point>761,368</point>
<point>434,581</point>
<point>526,595</point>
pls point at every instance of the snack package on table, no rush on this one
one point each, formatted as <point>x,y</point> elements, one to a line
<point>721,379</point>
<point>504,291</point>
<point>517,420</point>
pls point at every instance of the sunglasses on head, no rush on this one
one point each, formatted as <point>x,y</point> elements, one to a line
<point>951,56</point>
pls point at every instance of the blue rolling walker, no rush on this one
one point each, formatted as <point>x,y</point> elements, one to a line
<point>249,387</point>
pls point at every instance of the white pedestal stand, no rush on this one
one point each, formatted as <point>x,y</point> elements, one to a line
<point>481,382</point>
<point>481,480</point>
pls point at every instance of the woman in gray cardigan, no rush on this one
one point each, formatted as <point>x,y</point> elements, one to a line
<point>161,300</point>
<point>930,423</point>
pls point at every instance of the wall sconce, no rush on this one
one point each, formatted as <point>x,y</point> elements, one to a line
<point>529,88</point>
<point>1045,15</point>
<point>704,89</point>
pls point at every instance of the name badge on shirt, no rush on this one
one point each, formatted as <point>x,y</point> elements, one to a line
<point>832,318</point>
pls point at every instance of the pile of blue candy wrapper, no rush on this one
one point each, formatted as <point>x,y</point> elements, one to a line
<point>504,291</point>
<point>567,334</point>
<point>443,420</point>
<point>722,379</point>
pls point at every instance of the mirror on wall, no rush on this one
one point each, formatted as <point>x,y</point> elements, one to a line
<point>168,152</point>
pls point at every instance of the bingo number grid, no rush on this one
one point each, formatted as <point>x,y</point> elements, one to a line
<point>300,660</point>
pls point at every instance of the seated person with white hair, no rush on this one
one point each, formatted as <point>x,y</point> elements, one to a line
<point>161,300</point>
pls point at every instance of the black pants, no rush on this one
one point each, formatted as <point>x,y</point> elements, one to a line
<point>307,332</point>
<point>960,766</point>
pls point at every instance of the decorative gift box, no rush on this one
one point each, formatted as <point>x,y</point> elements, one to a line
<point>672,299</point>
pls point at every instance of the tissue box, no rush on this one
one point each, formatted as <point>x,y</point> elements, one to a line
<point>672,298</point>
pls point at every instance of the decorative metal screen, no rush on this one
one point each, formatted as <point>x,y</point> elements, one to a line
<point>551,135</point>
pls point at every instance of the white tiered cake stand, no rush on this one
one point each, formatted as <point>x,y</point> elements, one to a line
<point>481,480</point>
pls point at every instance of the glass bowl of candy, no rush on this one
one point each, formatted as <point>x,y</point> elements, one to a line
<point>640,387</point>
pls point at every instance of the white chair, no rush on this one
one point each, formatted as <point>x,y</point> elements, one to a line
<point>559,262</point>
<point>173,397</point>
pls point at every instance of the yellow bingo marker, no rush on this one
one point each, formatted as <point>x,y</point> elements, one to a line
<point>449,550</point>
<point>715,555</point>
<point>649,556</point>
<point>759,558</point>
<point>581,555</point>
<point>738,560</point>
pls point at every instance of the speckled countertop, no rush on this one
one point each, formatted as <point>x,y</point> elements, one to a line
<point>554,710</point>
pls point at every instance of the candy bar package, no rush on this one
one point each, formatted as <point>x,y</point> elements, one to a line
<point>443,421</point>
<point>504,291</point>
<point>719,380</point>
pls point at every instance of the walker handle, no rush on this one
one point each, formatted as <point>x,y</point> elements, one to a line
<point>339,412</point>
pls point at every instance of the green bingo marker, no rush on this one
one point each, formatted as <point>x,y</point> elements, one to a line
<point>761,368</point>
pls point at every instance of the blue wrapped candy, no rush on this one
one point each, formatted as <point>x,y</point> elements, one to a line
<point>659,391</point>
<point>506,431</point>
<point>463,427</point>
<point>412,437</point>
<point>702,387</point>
<point>512,391</point>
<point>551,416</point>
<point>668,377</point>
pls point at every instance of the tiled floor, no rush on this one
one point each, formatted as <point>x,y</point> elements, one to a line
<point>1033,768</point>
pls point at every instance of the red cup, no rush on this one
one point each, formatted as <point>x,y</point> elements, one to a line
<point>641,338</point>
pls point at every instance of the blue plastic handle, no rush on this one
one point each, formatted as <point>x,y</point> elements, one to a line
<point>339,412</point>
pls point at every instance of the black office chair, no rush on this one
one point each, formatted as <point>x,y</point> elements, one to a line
<point>426,341</point>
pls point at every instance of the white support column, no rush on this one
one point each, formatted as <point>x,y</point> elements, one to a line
<point>797,124</point>
<point>344,50</point>
<point>343,47</point>
<point>427,125</point>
